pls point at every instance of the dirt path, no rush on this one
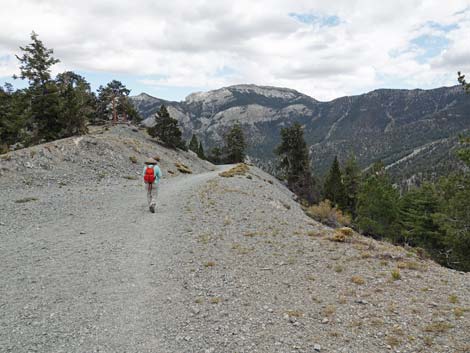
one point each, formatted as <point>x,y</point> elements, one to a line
<point>225,265</point>
<point>94,271</point>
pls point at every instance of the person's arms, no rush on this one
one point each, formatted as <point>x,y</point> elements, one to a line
<point>158,173</point>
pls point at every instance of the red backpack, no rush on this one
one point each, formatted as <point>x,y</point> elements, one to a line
<point>149,176</point>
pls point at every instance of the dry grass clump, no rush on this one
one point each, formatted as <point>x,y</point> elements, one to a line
<point>438,327</point>
<point>183,168</point>
<point>209,264</point>
<point>346,231</point>
<point>453,299</point>
<point>325,213</point>
<point>396,274</point>
<point>410,265</point>
<point>216,300</point>
<point>251,234</point>
<point>458,312</point>
<point>393,341</point>
<point>133,159</point>
<point>339,237</point>
<point>358,280</point>
<point>26,199</point>
<point>294,313</point>
<point>239,169</point>
<point>5,157</point>
<point>342,234</point>
<point>339,269</point>
<point>329,310</point>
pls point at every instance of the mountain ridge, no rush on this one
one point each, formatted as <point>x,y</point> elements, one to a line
<point>383,124</point>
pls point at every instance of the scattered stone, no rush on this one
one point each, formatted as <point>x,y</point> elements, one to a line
<point>317,348</point>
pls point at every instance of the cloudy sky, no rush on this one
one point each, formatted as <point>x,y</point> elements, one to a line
<point>169,49</point>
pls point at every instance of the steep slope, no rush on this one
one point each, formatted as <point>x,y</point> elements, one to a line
<point>383,124</point>
<point>225,265</point>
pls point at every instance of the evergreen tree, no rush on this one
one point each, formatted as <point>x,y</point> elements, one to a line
<point>235,144</point>
<point>13,116</point>
<point>77,103</point>
<point>166,129</point>
<point>295,163</point>
<point>193,144</point>
<point>378,205</point>
<point>215,155</point>
<point>118,94</point>
<point>463,82</point>
<point>200,151</point>
<point>417,217</point>
<point>35,65</point>
<point>334,189</point>
<point>351,181</point>
<point>454,220</point>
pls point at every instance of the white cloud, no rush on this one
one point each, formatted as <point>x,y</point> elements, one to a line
<point>209,44</point>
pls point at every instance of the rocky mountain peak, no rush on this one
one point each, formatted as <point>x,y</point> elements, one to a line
<point>144,97</point>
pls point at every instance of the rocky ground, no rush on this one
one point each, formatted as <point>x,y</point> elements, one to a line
<point>227,264</point>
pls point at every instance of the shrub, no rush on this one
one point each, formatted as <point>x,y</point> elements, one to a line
<point>183,168</point>
<point>26,199</point>
<point>396,274</point>
<point>239,169</point>
<point>325,213</point>
<point>358,280</point>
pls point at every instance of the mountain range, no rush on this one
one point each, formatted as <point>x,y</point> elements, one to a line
<point>414,132</point>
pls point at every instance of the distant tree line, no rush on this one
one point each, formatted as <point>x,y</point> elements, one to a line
<point>50,109</point>
<point>434,216</point>
<point>167,131</point>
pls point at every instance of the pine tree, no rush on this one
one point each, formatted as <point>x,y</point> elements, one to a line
<point>295,163</point>
<point>35,66</point>
<point>166,129</point>
<point>334,189</point>
<point>118,93</point>
<point>351,180</point>
<point>235,144</point>
<point>77,103</point>
<point>200,151</point>
<point>417,217</point>
<point>193,144</point>
<point>378,205</point>
<point>13,116</point>
<point>215,155</point>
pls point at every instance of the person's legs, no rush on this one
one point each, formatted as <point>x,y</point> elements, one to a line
<point>149,194</point>
<point>156,186</point>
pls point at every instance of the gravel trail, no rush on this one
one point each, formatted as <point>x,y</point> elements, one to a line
<point>225,265</point>
<point>93,271</point>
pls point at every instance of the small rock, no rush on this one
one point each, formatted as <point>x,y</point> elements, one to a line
<point>325,320</point>
<point>82,232</point>
<point>317,348</point>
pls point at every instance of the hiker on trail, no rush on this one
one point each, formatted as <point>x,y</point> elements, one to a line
<point>152,175</point>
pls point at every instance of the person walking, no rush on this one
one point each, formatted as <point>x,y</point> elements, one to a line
<point>152,175</point>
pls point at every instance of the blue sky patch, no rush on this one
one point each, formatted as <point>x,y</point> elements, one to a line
<point>313,19</point>
<point>431,46</point>
<point>441,27</point>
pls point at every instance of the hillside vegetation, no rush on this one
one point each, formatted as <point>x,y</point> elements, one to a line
<point>229,262</point>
